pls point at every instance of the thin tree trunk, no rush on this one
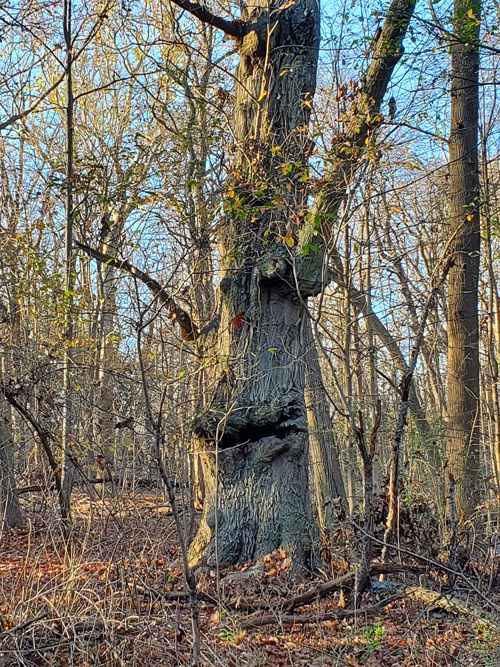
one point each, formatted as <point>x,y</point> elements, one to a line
<point>361,304</point>
<point>493,337</point>
<point>111,233</point>
<point>347,325</point>
<point>405,388</point>
<point>366,284</point>
<point>324,459</point>
<point>10,511</point>
<point>68,422</point>
<point>462,320</point>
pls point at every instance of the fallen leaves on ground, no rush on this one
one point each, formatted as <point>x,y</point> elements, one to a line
<point>104,600</point>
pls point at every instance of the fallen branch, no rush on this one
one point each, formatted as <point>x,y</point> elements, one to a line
<point>39,488</point>
<point>23,626</point>
<point>36,488</point>
<point>431,563</point>
<point>178,596</point>
<point>330,586</point>
<point>257,620</point>
<point>452,605</point>
<point>312,595</point>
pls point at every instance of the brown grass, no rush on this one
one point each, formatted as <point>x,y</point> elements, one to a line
<point>100,599</point>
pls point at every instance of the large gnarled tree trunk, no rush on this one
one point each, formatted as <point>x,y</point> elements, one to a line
<point>254,424</point>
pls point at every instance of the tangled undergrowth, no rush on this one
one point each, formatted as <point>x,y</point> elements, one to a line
<point>114,596</point>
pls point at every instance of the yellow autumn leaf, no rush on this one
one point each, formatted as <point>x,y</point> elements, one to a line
<point>231,194</point>
<point>262,95</point>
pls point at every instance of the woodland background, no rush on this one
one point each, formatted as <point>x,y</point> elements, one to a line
<point>116,143</point>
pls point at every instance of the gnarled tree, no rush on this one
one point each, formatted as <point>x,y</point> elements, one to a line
<point>274,255</point>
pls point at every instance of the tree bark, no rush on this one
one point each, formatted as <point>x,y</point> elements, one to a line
<point>253,426</point>
<point>10,512</point>
<point>255,456</point>
<point>462,320</point>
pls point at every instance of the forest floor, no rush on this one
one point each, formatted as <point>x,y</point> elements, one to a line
<point>109,599</point>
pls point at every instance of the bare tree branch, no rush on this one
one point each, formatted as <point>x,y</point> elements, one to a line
<point>26,112</point>
<point>259,619</point>
<point>234,28</point>
<point>189,331</point>
<point>19,116</point>
<point>348,149</point>
<point>43,435</point>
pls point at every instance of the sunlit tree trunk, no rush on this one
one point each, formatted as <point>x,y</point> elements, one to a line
<point>326,474</point>
<point>111,234</point>
<point>255,425</point>
<point>347,377</point>
<point>68,421</point>
<point>493,326</point>
<point>462,320</point>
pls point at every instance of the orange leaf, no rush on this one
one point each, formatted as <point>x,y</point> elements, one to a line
<point>214,618</point>
<point>239,638</point>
